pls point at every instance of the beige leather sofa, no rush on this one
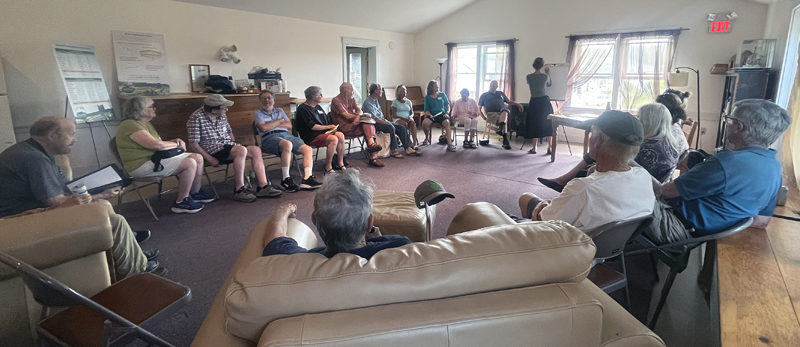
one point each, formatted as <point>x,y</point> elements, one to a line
<point>504,285</point>
<point>70,244</point>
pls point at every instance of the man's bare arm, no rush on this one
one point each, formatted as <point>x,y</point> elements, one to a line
<point>267,126</point>
<point>760,222</point>
<point>669,191</point>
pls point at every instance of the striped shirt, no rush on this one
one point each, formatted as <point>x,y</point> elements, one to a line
<point>212,136</point>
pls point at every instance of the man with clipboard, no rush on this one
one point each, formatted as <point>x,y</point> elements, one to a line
<point>31,182</point>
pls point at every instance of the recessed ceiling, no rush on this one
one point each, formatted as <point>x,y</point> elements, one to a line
<point>407,16</point>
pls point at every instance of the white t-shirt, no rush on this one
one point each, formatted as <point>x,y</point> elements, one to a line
<point>603,197</point>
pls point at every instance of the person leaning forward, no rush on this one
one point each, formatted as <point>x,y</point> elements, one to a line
<point>31,182</point>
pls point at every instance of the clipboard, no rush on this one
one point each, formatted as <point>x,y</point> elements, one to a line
<point>332,130</point>
<point>101,179</point>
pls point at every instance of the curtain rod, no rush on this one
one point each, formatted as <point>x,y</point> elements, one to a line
<point>486,41</point>
<point>624,32</point>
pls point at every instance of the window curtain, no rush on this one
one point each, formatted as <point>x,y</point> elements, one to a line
<point>643,63</point>
<point>584,59</point>
<point>790,147</point>
<point>450,79</point>
<point>506,82</point>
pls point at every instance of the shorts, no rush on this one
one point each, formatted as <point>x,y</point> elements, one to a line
<point>440,118</point>
<point>224,153</point>
<point>320,140</point>
<point>271,144</point>
<point>494,117</point>
<point>667,225</point>
<point>170,166</point>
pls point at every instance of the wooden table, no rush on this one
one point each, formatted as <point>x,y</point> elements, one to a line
<point>581,121</point>
<point>758,286</point>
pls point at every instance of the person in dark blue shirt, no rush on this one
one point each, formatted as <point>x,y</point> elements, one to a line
<point>343,217</point>
<point>731,186</point>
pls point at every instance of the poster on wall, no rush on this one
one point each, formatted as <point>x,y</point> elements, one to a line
<point>83,81</point>
<point>141,60</point>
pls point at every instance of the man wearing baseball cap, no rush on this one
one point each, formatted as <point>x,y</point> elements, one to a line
<point>615,191</point>
<point>211,135</point>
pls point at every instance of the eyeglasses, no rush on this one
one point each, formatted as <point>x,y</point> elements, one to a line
<point>152,106</point>
<point>730,120</point>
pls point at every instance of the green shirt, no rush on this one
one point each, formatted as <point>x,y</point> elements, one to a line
<point>436,105</point>
<point>133,155</point>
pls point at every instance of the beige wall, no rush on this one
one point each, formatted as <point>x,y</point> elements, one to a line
<point>541,30</point>
<point>307,52</point>
<point>779,16</point>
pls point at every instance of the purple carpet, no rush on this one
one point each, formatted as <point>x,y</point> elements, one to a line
<point>199,249</point>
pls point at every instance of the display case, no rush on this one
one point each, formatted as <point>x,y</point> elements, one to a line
<point>755,54</point>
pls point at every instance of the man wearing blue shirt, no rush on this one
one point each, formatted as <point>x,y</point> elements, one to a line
<point>731,186</point>
<point>343,217</point>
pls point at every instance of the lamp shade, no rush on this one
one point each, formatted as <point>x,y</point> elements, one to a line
<point>441,60</point>
<point>678,79</point>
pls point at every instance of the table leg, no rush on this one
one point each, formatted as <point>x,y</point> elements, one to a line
<point>553,142</point>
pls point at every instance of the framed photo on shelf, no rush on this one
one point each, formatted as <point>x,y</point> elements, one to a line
<point>198,75</point>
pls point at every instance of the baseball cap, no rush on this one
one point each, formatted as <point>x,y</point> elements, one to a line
<point>430,192</point>
<point>215,100</point>
<point>621,126</point>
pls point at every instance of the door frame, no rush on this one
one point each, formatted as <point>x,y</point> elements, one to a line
<point>372,63</point>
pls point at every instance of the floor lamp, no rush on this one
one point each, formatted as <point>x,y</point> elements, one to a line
<point>441,79</point>
<point>676,80</point>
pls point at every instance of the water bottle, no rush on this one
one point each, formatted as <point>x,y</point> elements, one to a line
<point>782,195</point>
<point>79,189</point>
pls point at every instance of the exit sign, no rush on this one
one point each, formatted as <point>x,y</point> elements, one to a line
<point>720,26</point>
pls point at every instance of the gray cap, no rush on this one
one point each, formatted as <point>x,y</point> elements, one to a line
<point>621,126</point>
<point>216,100</point>
<point>431,193</point>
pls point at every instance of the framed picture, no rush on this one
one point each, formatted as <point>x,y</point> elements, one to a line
<point>198,75</point>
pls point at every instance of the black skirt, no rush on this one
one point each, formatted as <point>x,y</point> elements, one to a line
<point>536,123</point>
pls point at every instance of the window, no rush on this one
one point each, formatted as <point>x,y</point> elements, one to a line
<point>474,65</point>
<point>620,71</point>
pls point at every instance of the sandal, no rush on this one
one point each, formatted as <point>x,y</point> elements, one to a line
<point>425,143</point>
<point>397,155</point>
<point>451,148</point>
<point>331,171</point>
<point>532,150</point>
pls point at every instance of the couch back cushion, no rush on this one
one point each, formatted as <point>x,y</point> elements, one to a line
<point>484,260</point>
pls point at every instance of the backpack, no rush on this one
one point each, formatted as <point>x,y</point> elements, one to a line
<point>220,85</point>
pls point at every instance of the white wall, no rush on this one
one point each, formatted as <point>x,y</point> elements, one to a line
<point>779,16</point>
<point>541,30</point>
<point>309,53</point>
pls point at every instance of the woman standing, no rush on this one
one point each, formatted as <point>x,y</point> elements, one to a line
<point>537,125</point>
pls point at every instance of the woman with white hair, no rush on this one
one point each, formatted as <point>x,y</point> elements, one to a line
<point>659,153</point>
<point>138,140</point>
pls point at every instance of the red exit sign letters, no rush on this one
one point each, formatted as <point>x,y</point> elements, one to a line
<point>720,26</point>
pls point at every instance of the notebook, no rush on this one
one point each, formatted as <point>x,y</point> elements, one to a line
<point>99,180</point>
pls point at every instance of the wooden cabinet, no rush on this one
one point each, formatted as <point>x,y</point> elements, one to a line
<point>740,84</point>
<point>173,111</point>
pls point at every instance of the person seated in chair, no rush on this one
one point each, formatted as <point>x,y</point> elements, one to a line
<point>437,110</point>
<point>346,113</point>
<point>494,103</point>
<point>31,182</point>
<point>466,111</point>
<point>343,217</point>
<point>275,130</point>
<point>372,107</point>
<point>733,185</point>
<point>615,191</point>
<point>315,128</point>
<point>211,135</point>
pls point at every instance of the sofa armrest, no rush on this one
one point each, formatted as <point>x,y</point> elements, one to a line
<point>213,331</point>
<point>620,328</point>
<point>478,215</point>
<point>56,236</point>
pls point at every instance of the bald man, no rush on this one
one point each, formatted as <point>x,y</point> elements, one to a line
<point>31,182</point>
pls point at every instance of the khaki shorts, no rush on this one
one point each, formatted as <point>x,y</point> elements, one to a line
<point>493,117</point>
<point>170,166</point>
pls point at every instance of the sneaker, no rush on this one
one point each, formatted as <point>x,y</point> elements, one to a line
<point>187,205</point>
<point>155,268</point>
<point>309,183</point>
<point>466,144</point>
<point>451,148</point>
<point>244,195</point>
<point>288,185</point>
<point>151,254</point>
<point>268,191</point>
<point>473,145</point>
<point>203,197</point>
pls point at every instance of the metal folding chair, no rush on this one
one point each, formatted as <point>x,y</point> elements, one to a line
<point>676,256</point>
<point>111,317</point>
<point>139,182</point>
<point>610,240</point>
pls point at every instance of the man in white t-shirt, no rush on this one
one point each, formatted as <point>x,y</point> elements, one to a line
<point>615,191</point>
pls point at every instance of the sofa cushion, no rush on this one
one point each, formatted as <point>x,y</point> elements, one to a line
<point>488,259</point>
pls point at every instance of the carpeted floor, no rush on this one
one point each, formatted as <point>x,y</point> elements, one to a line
<point>199,249</point>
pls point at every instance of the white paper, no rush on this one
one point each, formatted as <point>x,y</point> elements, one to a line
<point>141,59</point>
<point>83,81</point>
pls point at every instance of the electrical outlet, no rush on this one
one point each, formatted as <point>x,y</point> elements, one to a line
<point>702,131</point>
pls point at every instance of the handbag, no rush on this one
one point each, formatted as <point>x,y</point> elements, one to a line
<point>167,153</point>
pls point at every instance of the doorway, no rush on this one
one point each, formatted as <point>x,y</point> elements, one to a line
<point>360,60</point>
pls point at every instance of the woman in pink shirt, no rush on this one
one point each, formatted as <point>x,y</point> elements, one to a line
<point>466,111</point>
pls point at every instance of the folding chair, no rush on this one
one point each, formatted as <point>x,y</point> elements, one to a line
<point>610,240</point>
<point>676,256</point>
<point>139,182</point>
<point>206,165</point>
<point>112,317</point>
